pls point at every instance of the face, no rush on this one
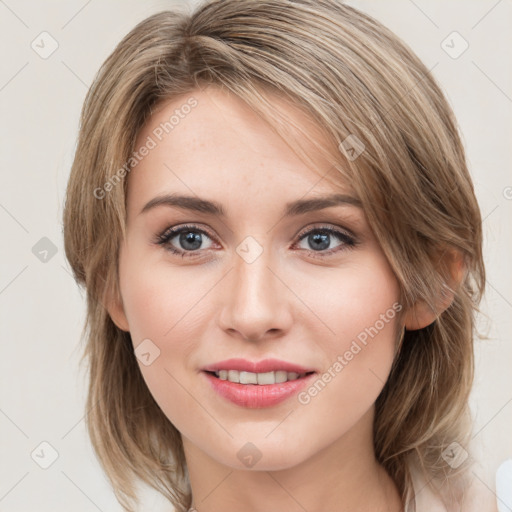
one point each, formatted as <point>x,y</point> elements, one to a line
<point>307,288</point>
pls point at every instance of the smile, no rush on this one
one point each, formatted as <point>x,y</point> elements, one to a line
<point>261,379</point>
<point>257,395</point>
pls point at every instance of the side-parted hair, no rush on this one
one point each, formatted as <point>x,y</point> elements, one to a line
<point>359,83</point>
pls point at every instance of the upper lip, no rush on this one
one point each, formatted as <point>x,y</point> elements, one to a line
<point>266,365</point>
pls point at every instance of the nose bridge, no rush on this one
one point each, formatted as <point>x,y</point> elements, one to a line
<point>252,284</point>
<point>255,301</point>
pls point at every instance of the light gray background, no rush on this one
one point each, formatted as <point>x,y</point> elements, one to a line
<point>41,309</point>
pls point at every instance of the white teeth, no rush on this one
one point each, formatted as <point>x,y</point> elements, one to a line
<point>281,376</point>
<point>257,378</point>
<point>248,378</point>
<point>233,376</point>
<point>266,378</point>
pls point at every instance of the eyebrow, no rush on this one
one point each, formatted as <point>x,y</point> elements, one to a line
<point>293,208</point>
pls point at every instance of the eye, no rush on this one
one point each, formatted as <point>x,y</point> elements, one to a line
<point>319,241</point>
<point>188,240</point>
<point>185,240</point>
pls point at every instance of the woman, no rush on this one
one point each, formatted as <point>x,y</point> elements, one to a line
<point>272,215</point>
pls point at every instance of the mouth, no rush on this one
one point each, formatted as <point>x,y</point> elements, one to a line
<point>258,379</point>
<point>257,385</point>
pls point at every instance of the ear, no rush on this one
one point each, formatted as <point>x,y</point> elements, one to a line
<point>421,314</point>
<point>114,305</point>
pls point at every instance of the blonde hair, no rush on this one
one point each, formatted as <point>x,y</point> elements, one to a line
<point>354,78</point>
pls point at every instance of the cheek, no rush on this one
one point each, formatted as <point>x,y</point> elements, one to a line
<point>169,305</point>
<point>162,303</point>
<point>348,302</point>
<point>162,306</point>
<point>358,308</point>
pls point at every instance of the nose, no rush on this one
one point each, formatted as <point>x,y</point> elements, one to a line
<point>255,302</point>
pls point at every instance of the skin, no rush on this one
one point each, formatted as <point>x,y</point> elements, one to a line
<point>287,304</point>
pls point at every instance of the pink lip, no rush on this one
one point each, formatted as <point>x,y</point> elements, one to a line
<point>266,365</point>
<point>255,396</point>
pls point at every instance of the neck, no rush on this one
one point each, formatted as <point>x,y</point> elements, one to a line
<point>342,477</point>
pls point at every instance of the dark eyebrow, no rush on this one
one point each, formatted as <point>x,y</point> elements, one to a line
<point>187,203</point>
<point>319,203</point>
<point>298,207</point>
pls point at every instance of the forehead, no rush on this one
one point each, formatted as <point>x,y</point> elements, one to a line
<point>211,143</point>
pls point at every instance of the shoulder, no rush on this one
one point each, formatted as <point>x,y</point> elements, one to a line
<point>477,496</point>
<point>424,497</point>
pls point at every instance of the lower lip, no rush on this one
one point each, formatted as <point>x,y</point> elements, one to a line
<point>255,396</point>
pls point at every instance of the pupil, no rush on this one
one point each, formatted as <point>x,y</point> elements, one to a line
<point>190,238</point>
<point>321,240</point>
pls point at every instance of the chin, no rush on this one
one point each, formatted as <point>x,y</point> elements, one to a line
<point>262,455</point>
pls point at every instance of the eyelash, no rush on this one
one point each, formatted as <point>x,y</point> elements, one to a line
<point>348,242</point>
